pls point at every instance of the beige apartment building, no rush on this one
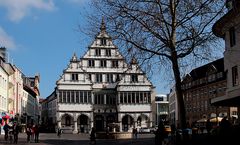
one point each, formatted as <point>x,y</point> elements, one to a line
<point>200,86</point>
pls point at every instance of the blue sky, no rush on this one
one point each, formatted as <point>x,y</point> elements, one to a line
<point>42,35</point>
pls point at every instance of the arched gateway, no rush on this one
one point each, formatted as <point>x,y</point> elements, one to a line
<point>83,124</point>
<point>127,123</point>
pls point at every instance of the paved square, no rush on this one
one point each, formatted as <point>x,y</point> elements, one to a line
<point>79,139</point>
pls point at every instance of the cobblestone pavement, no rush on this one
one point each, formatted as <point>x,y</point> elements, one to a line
<point>79,139</point>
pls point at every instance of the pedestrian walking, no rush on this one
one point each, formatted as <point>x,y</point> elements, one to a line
<point>173,134</point>
<point>208,126</point>
<point>10,134</point>
<point>134,132</point>
<point>32,133</point>
<point>225,131</point>
<point>0,126</point>
<point>15,132</point>
<point>6,130</point>
<point>29,133</point>
<point>159,134</point>
<point>36,131</point>
<point>59,132</point>
<point>107,132</point>
<point>93,136</point>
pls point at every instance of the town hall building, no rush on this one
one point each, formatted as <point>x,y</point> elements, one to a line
<point>102,90</point>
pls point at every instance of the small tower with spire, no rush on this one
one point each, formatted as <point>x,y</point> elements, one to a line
<point>103,26</point>
<point>74,57</point>
<point>102,36</point>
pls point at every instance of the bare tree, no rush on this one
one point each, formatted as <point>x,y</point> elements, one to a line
<point>170,32</point>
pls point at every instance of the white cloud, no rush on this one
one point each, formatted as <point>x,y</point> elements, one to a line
<point>78,1</point>
<point>6,40</point>
<point>18,9</point>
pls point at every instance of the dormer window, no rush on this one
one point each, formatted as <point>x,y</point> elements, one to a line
<point>114,64</point>
<point>98,78</point>
<point>117,77</point>
<point>134,78</point>
<point>232,36</point>
<point>103,41</point>
<point>98,52</point>
<point>90,77</point>
<point>103,63</point>
<point>108,52</point>
<point>109,78</point>
<point>75,77</point>
<point>91,63</point>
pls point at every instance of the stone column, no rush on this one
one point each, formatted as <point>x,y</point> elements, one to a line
<point>135,123</point>
<point>92,98</point>
<point>58,119</point>
<point>120,126</point>
<point>59,124</point>
<point>91,124</point>
<point>105,99</point>
<point>120,122</point>
<point>91,121</point>
<point>104,121</point>
<point>75,131</point>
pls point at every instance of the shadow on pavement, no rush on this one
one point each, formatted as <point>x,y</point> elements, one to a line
<point>64,142</point>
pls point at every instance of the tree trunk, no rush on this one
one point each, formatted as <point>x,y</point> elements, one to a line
<point>179,93</point>
<point>175,67</point>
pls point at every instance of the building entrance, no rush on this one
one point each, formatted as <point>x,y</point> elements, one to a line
<point>99,123</point>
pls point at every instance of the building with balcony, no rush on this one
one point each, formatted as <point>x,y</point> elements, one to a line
<point>6,86</point>
<point>200,86</point>
<point>3,83</point>
<point>18,93</point>
<point>29,101</point>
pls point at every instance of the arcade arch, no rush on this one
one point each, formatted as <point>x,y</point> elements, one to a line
<point>143,121</point>
<point>66,120</point>
<point>127,123</point>
<point>83,123</point>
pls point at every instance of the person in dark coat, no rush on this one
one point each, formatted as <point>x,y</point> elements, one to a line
<point>224,131</point>
<point>208,126</point>
<point>0,126</point>
<point>15,132</point>
<point>59,132</point>
<point>36,131</point>
<point>29,132</point>
<point>6,129</point>
<point>160,134</point>
<point>135,132</point>
<point>93,136</point>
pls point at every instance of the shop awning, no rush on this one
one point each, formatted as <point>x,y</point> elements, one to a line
<point>216,119</point>
<point>226,101</point>
<point>202,120</point>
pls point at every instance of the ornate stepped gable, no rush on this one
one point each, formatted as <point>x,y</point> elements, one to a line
<point>96,60</point>
<point>101,89</point>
